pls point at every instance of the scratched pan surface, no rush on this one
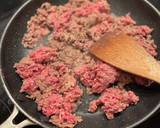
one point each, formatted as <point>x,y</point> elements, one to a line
<point>12,51</point>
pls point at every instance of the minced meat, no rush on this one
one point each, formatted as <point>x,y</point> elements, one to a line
<point>51,73</point>
<point>97,77</point>
<point>27,68</point>
<point>51,84</point>
<point>43,55</point>
<point>113,100</point>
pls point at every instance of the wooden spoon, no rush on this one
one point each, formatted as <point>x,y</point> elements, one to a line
<point>123,52</point>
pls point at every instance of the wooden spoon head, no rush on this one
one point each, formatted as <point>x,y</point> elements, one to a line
<point>123,52</point>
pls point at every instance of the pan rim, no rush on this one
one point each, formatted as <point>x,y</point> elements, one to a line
<point>18,106</point>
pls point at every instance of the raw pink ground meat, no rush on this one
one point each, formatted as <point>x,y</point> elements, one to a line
<point>49,77</point>
<point>90,8</point>
<point>98,77</point>
<point>125,20</point>
<point>51,104</point>
<point>28,69</point>
<point>58,20</point>
<point>50,73</point>
<point>43,55</point>
<point>113,100</point>
<point>60,108</point>
<point>54,89</point>
<point>73,94</point>
<point>65,120</point>
<point>29,85</point>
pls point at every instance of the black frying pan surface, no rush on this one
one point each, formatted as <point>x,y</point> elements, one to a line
<point>12,51</point>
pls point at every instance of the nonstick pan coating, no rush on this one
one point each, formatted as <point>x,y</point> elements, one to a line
<point>12,51</point>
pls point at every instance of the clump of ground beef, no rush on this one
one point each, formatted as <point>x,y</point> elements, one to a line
<point>27,68</point>
<point>43,55</point>
<point>37,26</point>
<point>51,73</point>
<point>59,108</point>
<point>52,86</point>
<point>97,77</point>
<point>113,100</point>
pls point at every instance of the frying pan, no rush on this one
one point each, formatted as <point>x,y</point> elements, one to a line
<point>12,51</point>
